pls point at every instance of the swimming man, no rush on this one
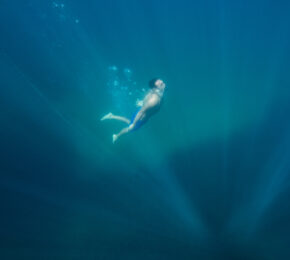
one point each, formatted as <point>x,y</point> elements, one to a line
<point>147,107</point>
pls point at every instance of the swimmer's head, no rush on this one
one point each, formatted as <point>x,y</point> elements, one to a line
<point>157,83</point>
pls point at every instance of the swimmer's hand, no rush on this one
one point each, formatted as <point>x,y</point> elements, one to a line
<point>139,103</point>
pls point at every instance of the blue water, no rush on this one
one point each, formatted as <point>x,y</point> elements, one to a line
<point>206,178</point>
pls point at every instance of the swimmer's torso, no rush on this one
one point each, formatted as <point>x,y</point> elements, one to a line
<point>152,103</point>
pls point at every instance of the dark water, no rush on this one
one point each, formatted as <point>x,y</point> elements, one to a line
<point>206,178</point>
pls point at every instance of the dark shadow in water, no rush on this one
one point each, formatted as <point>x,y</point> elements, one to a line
<point>47,210</point>
<point>223,176</point>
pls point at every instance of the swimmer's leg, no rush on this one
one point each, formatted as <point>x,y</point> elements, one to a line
<point>140,115</point>
<point>123,131</point>
<point>119,118</point>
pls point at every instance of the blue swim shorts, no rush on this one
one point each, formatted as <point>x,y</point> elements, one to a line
<point>139,123</point>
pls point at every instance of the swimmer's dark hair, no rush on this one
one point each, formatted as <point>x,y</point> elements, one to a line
<point>152,82</point>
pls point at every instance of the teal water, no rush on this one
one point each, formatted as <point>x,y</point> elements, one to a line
<point>206,178</point>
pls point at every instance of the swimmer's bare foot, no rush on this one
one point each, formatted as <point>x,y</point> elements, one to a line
<point>107,116</point>
<point>115,137</point>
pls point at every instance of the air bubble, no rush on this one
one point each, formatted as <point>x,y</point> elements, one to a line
<point>116,83</point>
<point>113,68</point>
